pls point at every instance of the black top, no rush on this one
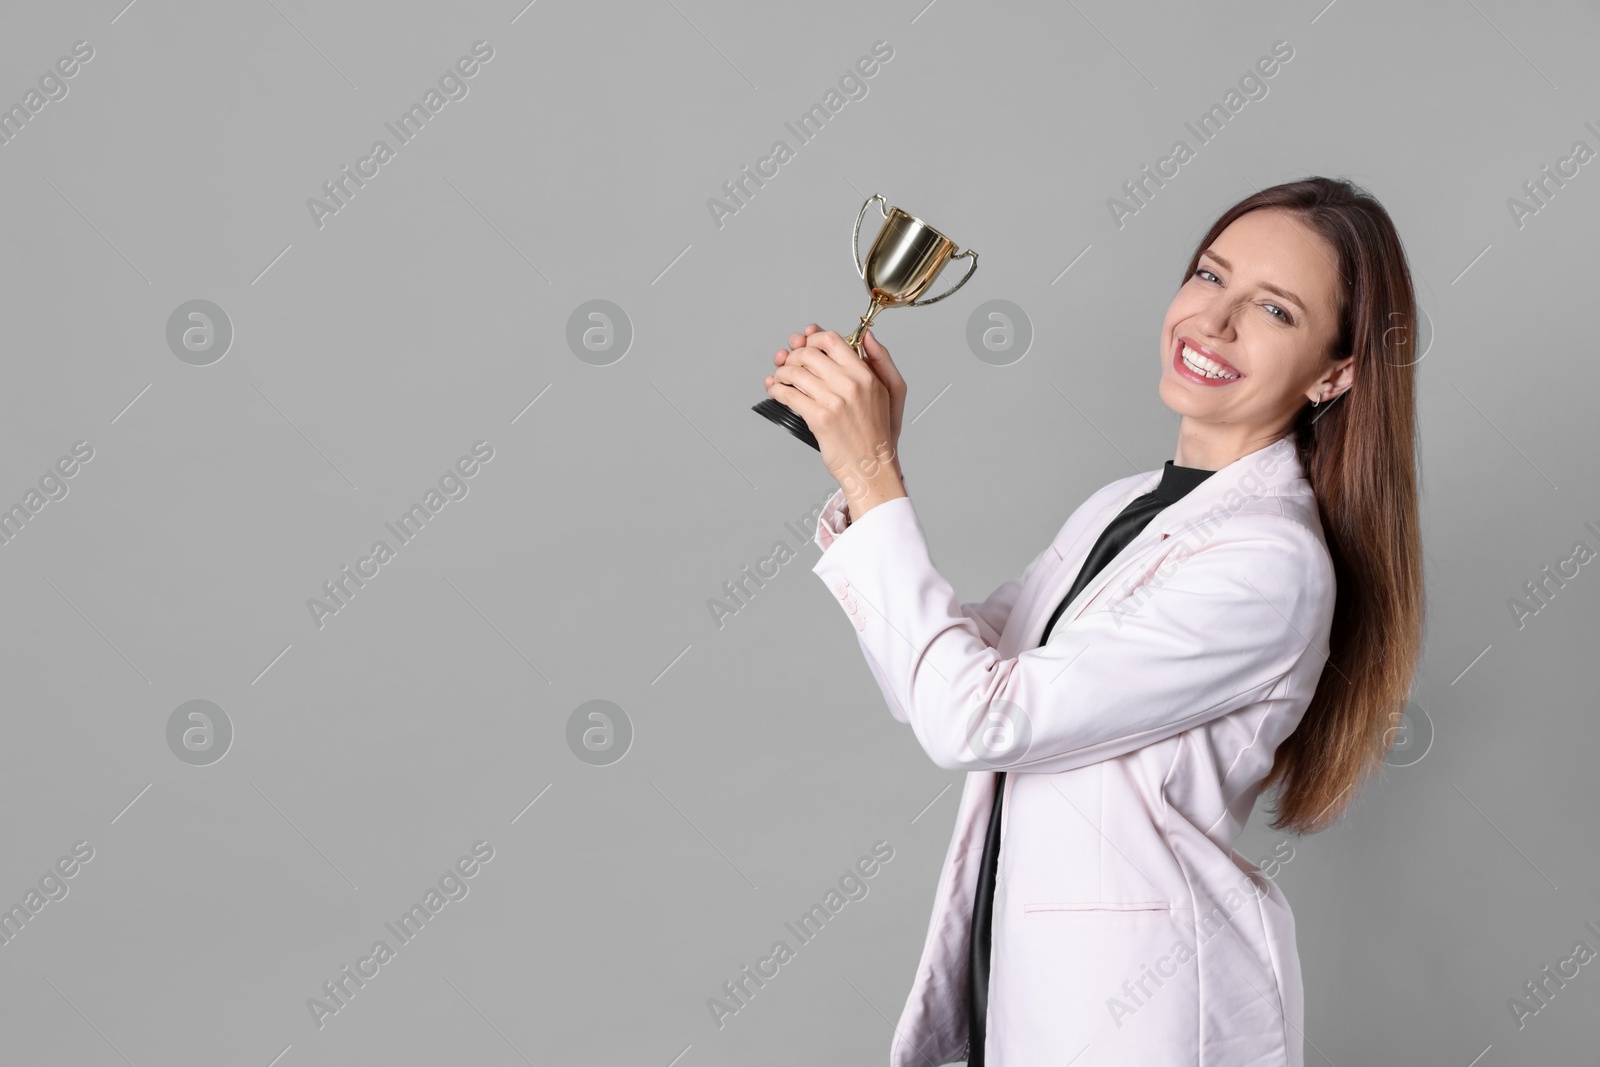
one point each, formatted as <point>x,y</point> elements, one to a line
<point>1175,483</point>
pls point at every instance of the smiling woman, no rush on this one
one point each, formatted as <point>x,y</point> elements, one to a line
<point>1248,616</point>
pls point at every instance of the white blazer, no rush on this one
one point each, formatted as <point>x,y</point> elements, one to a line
<point>1127,931</point>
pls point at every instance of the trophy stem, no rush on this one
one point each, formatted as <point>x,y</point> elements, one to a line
<point>854,340</point>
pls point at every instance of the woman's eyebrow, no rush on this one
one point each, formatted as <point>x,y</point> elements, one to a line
<point>1286,294</point>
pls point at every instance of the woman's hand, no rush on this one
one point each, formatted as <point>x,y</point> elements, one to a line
<point>882,365</point>
<point>850,409</point>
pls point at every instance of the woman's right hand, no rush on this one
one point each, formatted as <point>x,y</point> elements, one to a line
<point>883,366</point>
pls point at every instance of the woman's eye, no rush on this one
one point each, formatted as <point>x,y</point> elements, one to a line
<point>1274,309</point>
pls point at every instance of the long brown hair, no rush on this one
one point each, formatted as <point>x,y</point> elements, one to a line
<point>1359,453</point>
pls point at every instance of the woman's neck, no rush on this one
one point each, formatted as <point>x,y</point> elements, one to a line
<point>1212,446</point>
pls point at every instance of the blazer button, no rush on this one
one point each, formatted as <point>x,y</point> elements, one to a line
<point>839,588</point>
<point>861,622</point>
<point>850,605</point>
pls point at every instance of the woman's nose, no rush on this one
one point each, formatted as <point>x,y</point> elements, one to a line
<point>1215,316</point>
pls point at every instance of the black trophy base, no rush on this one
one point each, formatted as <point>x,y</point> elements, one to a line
<point>785,416</point>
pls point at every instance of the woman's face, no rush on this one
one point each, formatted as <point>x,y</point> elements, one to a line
<point>1261,305</point>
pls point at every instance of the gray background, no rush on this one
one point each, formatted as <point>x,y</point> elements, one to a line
<point>434,709</point>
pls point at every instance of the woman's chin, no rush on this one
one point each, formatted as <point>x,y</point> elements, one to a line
<point>1182,401</point>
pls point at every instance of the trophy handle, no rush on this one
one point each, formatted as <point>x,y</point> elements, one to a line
<point>855,238</point>
<point>970,269</point>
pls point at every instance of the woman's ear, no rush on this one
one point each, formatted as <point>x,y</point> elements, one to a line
<point>1341,378</point>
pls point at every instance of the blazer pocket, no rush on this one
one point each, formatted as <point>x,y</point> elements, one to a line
<point>1046,909</point>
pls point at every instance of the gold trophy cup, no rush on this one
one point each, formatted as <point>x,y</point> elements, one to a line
<point>903,261</point>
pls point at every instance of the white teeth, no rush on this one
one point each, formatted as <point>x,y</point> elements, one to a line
<point>1201,365</point>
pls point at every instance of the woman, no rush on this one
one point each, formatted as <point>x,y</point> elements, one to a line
<point>1250,616</point>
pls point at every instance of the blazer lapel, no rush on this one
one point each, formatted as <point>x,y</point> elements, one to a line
<point>1263,472</point>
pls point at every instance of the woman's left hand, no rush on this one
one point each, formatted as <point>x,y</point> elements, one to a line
<point>848,409</point>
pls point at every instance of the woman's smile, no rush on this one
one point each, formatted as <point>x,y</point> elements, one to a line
<point>1196,363</point>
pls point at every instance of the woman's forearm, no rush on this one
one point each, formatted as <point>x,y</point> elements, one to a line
<point>848,518</point>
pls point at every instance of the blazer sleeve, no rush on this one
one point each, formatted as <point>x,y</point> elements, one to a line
<point>989,615</point>
<point>1208,633</point>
